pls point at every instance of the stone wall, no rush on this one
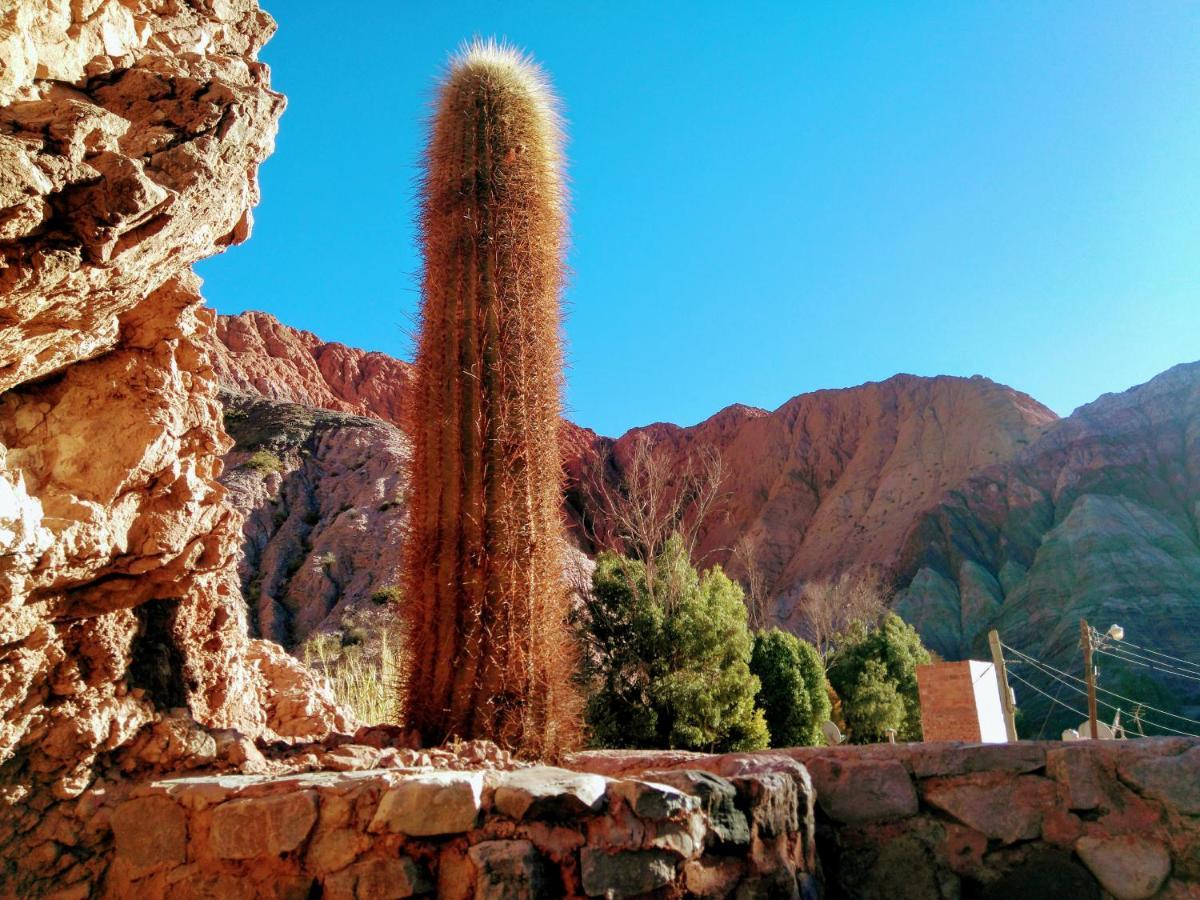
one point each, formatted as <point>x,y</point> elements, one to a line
<point>524,832</point>
<point>1031,819</point>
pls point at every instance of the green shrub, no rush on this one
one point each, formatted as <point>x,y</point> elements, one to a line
<point>668,668</point>
<point>389,594</point>
<point>793,696</point>
<point>264,461</point>
<point>875,674</point>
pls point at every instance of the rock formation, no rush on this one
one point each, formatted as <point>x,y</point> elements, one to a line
<point>130,133</point>
<point>1097,518</point>
<point>830,480</point>
<point>324,501</point>
<point>834,479</point>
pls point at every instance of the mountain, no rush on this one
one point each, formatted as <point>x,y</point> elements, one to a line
<point>830,481</point>
<point>1096,519</point>
<point>835,479</point>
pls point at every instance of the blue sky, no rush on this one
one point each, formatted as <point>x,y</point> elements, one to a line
<point>772,198</point>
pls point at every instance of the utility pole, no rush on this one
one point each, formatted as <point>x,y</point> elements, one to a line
<point>1085,638</point>
<point>1006,697</point>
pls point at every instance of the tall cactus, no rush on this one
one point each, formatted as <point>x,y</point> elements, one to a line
<point>486,607</point>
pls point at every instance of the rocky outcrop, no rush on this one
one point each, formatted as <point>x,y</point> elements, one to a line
<point>833,480</point>
<point>253,353</point>
<point>1090,819</point>
<point>130,133</point>
<point>323,496</point>
<point>1098,519</point>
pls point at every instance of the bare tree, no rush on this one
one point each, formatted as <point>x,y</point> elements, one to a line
<point>829,607</point>
<point>635,508</point>
<point>746,557</point>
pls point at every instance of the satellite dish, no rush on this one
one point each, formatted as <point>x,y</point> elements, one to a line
<point>833,734</point>
<point>1104,731</point>
<point>1070,734</point>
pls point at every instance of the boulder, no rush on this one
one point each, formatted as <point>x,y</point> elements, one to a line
<point>150,833</point>
<point>1005,807</point>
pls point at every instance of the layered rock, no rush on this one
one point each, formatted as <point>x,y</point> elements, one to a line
<point>1096,519</point>
<point>129,140</point>
<point>829,481</point>
<point>833,480</point>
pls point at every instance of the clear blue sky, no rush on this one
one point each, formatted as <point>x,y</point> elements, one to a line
<point>771,198</point>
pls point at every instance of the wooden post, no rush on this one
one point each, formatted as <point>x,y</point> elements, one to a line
<point>1090,672</point>
<point>1006,697</point>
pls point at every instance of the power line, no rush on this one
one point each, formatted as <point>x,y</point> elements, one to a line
<point>1037,662</point>
<point>1034,687</point>
<point>1050,670</point>
<point>1118,709</point>
<point>1120,654</point>
<point>1149,660</point>
<point>1185,662</point>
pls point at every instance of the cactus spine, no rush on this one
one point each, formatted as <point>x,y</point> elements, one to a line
<point>486,607</point>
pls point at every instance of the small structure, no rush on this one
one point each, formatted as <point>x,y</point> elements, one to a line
<point>960,701</point>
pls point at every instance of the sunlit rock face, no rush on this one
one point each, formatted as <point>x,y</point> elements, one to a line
<point>130,135</point>
<point>1096,519</point>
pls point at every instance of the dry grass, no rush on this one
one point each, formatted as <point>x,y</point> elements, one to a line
<point>366,683</point>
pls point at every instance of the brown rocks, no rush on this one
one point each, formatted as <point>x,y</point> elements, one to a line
<point>150,833</point>
<point>434,804</point>
<point>626,873</point>
<point>1168,779</point>
<point>246,829</point>
<point>131,136</point>
<point>389,833</point>
<point>1129,867</point>
<point>1005,808</point>
<point>544,792</point>
<point>507,870</point>
<point>856,793</point>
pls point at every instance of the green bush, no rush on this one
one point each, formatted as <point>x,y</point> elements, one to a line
<point>668,668</point>
<point>389,594</point>
<point>875,674</point>
<point>264,461</point>
<point>793,696</point>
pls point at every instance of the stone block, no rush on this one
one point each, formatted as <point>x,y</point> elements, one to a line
<point>626,873</point>
<point>261,827</point>
<point>546,792</point>
<point>860,792</point>
<point>507,870</point>
<point>1129,867</point>
<point>150,833</point>
<point>1172,780</point>
<point>653,801</point>
<point>1006,807</point>
<point>430,805</point>
<point>771,802</point>
<point>727,825</point>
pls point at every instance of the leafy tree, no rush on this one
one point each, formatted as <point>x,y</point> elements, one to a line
<point>670,667</point>
<point>874,671</point>
<point>793,696</point>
